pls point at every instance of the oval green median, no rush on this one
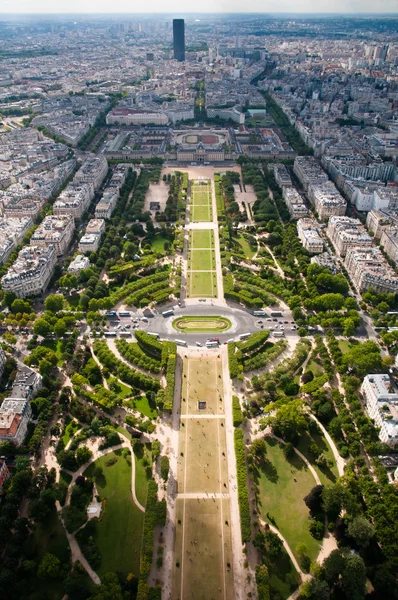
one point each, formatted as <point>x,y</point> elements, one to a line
<point>202,324</point>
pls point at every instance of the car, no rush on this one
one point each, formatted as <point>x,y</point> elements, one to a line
<point>269,319</point>
<point>199,344</point>
<point>260,322</point>
<point>128,327</point>
<point>286,322</point>
<point>215,340</point>
<point>276,320</point>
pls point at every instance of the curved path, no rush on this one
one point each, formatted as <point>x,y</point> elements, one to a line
<point>340,462</point>
<point>303,458</point>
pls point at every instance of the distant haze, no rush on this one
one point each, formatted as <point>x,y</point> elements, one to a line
<point>219,6</point>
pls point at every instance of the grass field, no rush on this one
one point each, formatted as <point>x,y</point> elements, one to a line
<point>203,554</point>
<point>326,475</point>
<point>282,497</point>
<point>201,213</point>
<point>157,242</point>
<point>201,238</point>
<point>202,260</point>
<point>202,324</point>
<point>249,252</point>
<point>201,284</point>
<point>118,534</point>
<point>344,345</point>
<point>70,430</point>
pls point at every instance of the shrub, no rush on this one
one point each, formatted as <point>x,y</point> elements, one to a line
<point>237,415</point>
<point>243,494</point>
<point>164,467</point>
<point>232,360</point>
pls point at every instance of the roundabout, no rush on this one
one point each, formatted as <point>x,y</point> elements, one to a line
<point>202,324</point>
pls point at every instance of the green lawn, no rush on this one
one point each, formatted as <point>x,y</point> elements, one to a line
<point>283,577</point>
<point>242,241</point>
<point>202,260</point>
<point>65,477</point>
<point>125,390</point>
<point>201,284</point>
<point>141,404</point>
<point>70,430</point>
<point>142,472</point>
<point>118,534</point>
<point>315,367</point>
<point>157,242</point>
<point>201,238</point>
<point>201,199</point>
<point>202,324</point>
<point>55,346</point>
<point>344,345</point>
<point>282,498</point>
<point>326,475</point>
<point>201,213</point>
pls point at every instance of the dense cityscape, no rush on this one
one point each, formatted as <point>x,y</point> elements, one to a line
<point>199,307</point>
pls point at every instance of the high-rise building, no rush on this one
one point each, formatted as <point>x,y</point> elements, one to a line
<point>179,39</point>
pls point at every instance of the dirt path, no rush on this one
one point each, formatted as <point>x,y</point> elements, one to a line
<point>340,462</point>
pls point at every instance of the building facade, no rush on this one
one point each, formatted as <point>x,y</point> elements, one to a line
<point>31,272</point>
<point>179,39</point>
<point>382,406</point>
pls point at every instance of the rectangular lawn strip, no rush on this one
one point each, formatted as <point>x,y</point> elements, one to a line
<point>201,199</point>
<point>202,260</point>
<point>326,475</point>
<point>142,405</point>
<point>202,284</point>
<point>206,573</point>
<point>202,238</point>
<point>118,534</point>
<point>201,213</point>
<point>204,381</point>
<point>282,497</point>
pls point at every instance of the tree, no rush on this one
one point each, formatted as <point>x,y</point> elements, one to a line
<point>288,450</point>
<point>274,545</point>
<point>259,449</point>
<point>60,328</point>
<point>54,303</point>
<point>22,463</point>
<point>109,589</point>
<point>363,358</point>
<point>21,306</point>
<point>333,566</point>
<point>333,497</point>
<point>50,567</point>
<point>83,455</point>
<point>289,421</point>
<point>45,367</point>
<point>301,549</point>
<point>316,589</point>
<point>353,577</point>
<point>361,530</point>
<point>349,327</point>
<point>42,327</point>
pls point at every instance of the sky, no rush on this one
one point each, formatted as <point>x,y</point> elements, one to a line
<point>182,6</point>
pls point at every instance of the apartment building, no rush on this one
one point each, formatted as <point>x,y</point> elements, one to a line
<point>56,230</point>
<point>377,223</point>
<point>91,239</point>
<point>2,361</point>
<point>294,202</point>
<point>31,272</point>
<point>227,114</point>
<point>389,243</point>
<point>106,205</point>
<point>382,406</point>
<point>307,231</point>
<point>93,171</point>
<point>282,176</point>
<point>345,232</point>
<point>326,261</point>
<point>367,268</point>
<point>308,171</point>
<point>79,264</point>
<point>15,416</point>
<point>12,231</point>
<point>326,200</point>
<point>74,200</point>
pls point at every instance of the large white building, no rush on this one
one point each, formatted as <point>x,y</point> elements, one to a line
<point>382,406</point>
<point>15,416</point>
<point>132,116</point>
<point>92,237</point>
<point>226,113</point>
<point>367,268</point>
<point>309,171</point>
<point>307,231</point>
<point>389,243</point>
<point>294,202</point>
<point>93,171</point>
<point>326,199</point>
<point>345,232</point>
<point>31,272</point>
<point>12,231</point>
<point>74,200</point>
<point>56,230</point>
<point>377,223</point>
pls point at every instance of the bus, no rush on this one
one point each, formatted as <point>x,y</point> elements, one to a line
<point>181,343</point>
<point>168,313</point>
<point>278,333</point>
<point>244,336</point>
<point>111,313</point>
<point>110,333</point>
<point>276,313</point>
<point>155,335</point>
<point>124,313</point>
<point>125,334</point>
<point>211,344</point>
<point>258,313</point>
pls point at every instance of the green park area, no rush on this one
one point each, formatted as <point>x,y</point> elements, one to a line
<point>201,284</point>
<point>118,532</point>
<point>283,485</point>
<point>202,260</point>
<point>201,213</point>
<point>247,249</point>
<point>201,238</point>
<point>202,324</point>
<point>158,241</point>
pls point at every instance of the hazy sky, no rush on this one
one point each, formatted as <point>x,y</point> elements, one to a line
<point>173,6</point>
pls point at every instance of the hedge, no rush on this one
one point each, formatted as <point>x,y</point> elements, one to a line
<point>261,359</point>
<point>123,371</point>
<point>133,286</point>
<point>134,354</point>
<point>262,580</point>
<point>243,494</point>
<point>149,344</point>
<point>256,340</point>
<point>315,384</point>
<point>232,360</point>
<point>155,514</point>
<point>237,415</point>
<point>164,467</point>
<point>170,376</point>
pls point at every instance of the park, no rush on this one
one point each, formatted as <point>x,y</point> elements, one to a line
<point>202,324</point>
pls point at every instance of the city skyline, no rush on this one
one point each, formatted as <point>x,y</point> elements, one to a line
<point>304,7</point>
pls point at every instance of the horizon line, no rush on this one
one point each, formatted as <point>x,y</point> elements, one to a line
<point>395,14</point>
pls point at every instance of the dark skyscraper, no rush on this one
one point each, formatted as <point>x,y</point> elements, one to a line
<point>179,39</point>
